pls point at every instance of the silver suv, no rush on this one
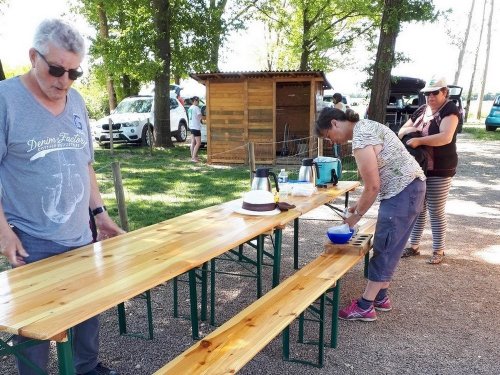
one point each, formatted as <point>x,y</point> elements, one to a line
<point>134,116</point>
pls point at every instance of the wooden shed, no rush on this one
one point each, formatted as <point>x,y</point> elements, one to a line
<point>267,108</point>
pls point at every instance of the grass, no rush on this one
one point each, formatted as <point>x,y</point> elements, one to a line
<point>478,131</point>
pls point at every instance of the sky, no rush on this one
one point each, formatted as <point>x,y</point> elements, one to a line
<point>427,45</point>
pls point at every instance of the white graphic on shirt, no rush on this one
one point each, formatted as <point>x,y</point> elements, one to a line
<point>60,200</point>
<point>64,141</point>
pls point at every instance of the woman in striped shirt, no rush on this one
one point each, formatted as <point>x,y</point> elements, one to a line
<point>390,173</point>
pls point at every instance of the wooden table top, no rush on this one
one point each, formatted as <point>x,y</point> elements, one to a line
<point>43,299</point>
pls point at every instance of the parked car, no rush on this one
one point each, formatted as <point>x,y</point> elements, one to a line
<point>134,116</point>
<point>405,97</point>
<point>493,120</point>
<point>456,97</point>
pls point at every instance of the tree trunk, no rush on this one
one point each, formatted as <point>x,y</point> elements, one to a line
<point>163,137</point>
<point>104,34</point>
<point>464,45</point>
<point>2,74</point>
<point>389,30</point>
<point>469,95</point>
<point>485,73</point>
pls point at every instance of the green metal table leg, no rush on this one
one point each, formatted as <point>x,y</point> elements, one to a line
<point>296,243</point>
<point>260,250</point>
<point>122,320</point>
<point>204,291</point>
<point>277,257</point>
<point>286,343</point>
<point>301,328</point>
<point>346,202</point>
<point>212,292</point>
<point>176,298</point>
<point>65,358</point>
<point>240,252</point>
<point>150,314</point>
<point>367,260</point>
<point>335,314</point>
<point>16,351</point>
<point>194,304</point>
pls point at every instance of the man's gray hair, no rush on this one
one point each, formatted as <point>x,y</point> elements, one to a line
<point>59,33</point>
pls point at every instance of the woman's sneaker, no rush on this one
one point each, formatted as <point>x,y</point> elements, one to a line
<point>354,312</point>
<point>383,305</point>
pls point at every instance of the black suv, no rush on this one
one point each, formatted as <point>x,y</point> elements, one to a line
<point>405,97</point>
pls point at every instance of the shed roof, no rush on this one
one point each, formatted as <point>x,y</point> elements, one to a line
<point>221,76</point>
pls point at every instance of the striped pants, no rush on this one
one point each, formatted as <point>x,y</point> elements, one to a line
<point>435,201</point>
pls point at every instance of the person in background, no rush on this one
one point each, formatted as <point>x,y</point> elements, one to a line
<point>390,173</point>
<point>194,115</point>
<point>47,179</point>
<point>437,122</point>
<point>337,102</point>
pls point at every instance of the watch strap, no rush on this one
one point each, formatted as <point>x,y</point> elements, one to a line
<point>98,210</point>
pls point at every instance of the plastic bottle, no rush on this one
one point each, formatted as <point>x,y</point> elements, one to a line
<point>283,176</point>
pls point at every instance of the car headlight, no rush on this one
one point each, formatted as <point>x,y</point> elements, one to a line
<point>130,124</point>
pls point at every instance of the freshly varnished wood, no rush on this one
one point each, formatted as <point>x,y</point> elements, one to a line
<point>45,298</point>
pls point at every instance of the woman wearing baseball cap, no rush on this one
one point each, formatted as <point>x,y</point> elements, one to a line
<point>437,122</point>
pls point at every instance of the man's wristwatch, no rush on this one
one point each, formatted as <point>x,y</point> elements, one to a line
<point>98,210</point>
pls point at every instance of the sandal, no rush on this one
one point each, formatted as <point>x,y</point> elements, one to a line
<point>410,252</point>
<point>436,258</point>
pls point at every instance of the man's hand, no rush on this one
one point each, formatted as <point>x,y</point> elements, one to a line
<point>12,248</point>
<point>106,227</point>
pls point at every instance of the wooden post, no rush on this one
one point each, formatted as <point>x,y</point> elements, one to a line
<point>111,135</point>
<point>251,160</point>
<point>320,146</point>
<point>120,196</point>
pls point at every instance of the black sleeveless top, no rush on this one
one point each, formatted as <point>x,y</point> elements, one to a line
<point>444,159</point>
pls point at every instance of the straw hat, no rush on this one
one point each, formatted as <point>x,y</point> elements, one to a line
<point>435,84</point>
<point>257,203</point>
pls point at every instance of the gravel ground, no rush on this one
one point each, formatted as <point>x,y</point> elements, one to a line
<point>444,317</point>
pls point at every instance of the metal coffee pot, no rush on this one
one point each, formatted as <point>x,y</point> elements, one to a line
<point>261,180</point>
<point>308,171</point>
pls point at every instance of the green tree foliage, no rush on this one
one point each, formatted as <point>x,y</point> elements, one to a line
<point>307,34</point>
<point>395,12</point>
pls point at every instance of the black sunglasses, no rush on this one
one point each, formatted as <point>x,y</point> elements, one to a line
<point>58,71</point>
<point>435,92</point>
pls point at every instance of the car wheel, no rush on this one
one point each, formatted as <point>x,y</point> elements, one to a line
<point>147,137</point>
<point>181,135</point>
<point>490,128</point>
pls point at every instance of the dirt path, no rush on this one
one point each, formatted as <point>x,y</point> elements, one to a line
<point>445,318</point>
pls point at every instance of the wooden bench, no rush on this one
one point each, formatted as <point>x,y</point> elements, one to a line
<point>236,342</point>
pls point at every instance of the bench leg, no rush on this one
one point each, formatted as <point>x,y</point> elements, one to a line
<point>321,341</point>
<point>122,318</point>
<point>335,315</point>
<point>15,350</point>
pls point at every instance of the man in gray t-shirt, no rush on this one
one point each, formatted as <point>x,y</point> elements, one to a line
<point>47,183</point>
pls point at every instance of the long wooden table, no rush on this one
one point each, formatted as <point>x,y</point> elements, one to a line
<point>43,300</point>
